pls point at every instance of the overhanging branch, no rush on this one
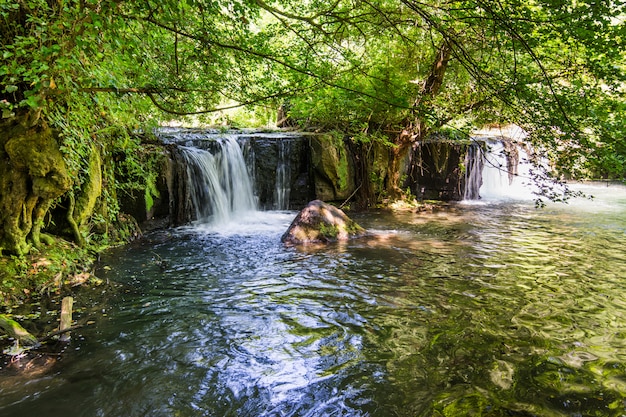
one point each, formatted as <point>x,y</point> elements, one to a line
<point>151,93</point>
<point>267,57</point>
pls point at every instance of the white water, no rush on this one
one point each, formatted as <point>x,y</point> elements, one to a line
<point>251,223</point>
<point>283,176</point>
<point>489,178</point>
<point>221,188</point>
<point>473,172</point>
<point>500,182</point>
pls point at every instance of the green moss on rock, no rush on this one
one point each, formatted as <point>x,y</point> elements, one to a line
<point>90,191</point>
<point>319,222</point>
<point>33,174</point>
<point>333,168</point>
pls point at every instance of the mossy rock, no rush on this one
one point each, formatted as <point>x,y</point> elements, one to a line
<point>33,174</point>
<point>333,168</point>
<point>91,189</point>
<point>320,222</point>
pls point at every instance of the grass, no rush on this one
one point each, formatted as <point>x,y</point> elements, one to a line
<point>44,272</point>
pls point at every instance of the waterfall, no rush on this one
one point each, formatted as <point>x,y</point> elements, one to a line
<point>219,182</point>
<point>506,172</point>
<point>502,171</point>
<point>473,172</point>
<point>283,176</point>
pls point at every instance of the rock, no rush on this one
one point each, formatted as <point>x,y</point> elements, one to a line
<point>16,331</point>
<point>319,222</point>
<point>333,168</point>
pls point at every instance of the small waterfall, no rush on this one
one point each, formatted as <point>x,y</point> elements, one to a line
<point>219,182</point>
<point>283,176</point>
<point>506,172</point>
<point>498,170</point>
<point>473,172</point>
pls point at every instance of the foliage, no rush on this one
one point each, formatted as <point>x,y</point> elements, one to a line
<point>554,67</point>
<point>549,65</point>
<point>44,272</point>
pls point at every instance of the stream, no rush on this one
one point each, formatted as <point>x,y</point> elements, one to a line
<point>486,308</point>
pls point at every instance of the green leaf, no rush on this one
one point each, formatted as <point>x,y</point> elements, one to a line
<point>32,102</point>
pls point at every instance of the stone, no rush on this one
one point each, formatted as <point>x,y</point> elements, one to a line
<point>320,222</point>
<point>333,168</point>
<point>436,172</point>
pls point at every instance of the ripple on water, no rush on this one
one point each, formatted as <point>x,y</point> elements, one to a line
<point>497,309</point>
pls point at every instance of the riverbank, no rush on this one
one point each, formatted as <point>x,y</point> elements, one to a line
<point>52,270</point>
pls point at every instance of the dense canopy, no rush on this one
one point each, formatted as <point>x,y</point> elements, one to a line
<point>394,70</point>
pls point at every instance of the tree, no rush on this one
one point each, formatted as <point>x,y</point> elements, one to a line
<point>554,67</point>
<point>77,77</point>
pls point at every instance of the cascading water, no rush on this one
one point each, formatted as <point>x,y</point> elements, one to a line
<point>283,176</point>
<point>473,172</point>
<point>220,185</point>
<point>506,173</point>
<point>498,170</point>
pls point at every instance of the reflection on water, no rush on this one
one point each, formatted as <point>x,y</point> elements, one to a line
<point>484,309</point>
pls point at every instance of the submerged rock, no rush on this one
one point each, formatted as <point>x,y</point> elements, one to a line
<point>319,222</point>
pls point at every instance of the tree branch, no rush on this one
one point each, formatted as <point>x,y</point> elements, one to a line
<point>267,57</point>
<point>507,25</point>
<point>150,92</point>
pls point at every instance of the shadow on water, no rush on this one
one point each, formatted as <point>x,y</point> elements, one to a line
<point>484,309</point>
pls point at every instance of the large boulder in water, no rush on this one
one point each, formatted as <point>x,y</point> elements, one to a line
<point>319,222</point>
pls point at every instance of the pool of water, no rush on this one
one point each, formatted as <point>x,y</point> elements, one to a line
<point>493,309</point>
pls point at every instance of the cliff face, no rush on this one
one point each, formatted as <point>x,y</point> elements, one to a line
<point>437,171</point>
<point>333,168</point>
<point>287,170</point>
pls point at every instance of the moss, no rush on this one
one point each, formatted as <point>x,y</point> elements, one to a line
<point>353,228</point>
<point>328,231</point>
<point>90,190</point>
<point>33,175</point>
<point>343,171</point>
<point>16,331</point>
<point>333,168</point>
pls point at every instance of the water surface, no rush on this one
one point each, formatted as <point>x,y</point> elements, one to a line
<point>494,309</point>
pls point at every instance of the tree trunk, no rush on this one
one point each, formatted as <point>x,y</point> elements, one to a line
<point>397,168</point>
<point>416,127</point>
<point>32,175</point>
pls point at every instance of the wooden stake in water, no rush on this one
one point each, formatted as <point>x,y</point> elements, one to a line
<point>66,318</point>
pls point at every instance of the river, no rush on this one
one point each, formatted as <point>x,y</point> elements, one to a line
<point>486,309</point>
